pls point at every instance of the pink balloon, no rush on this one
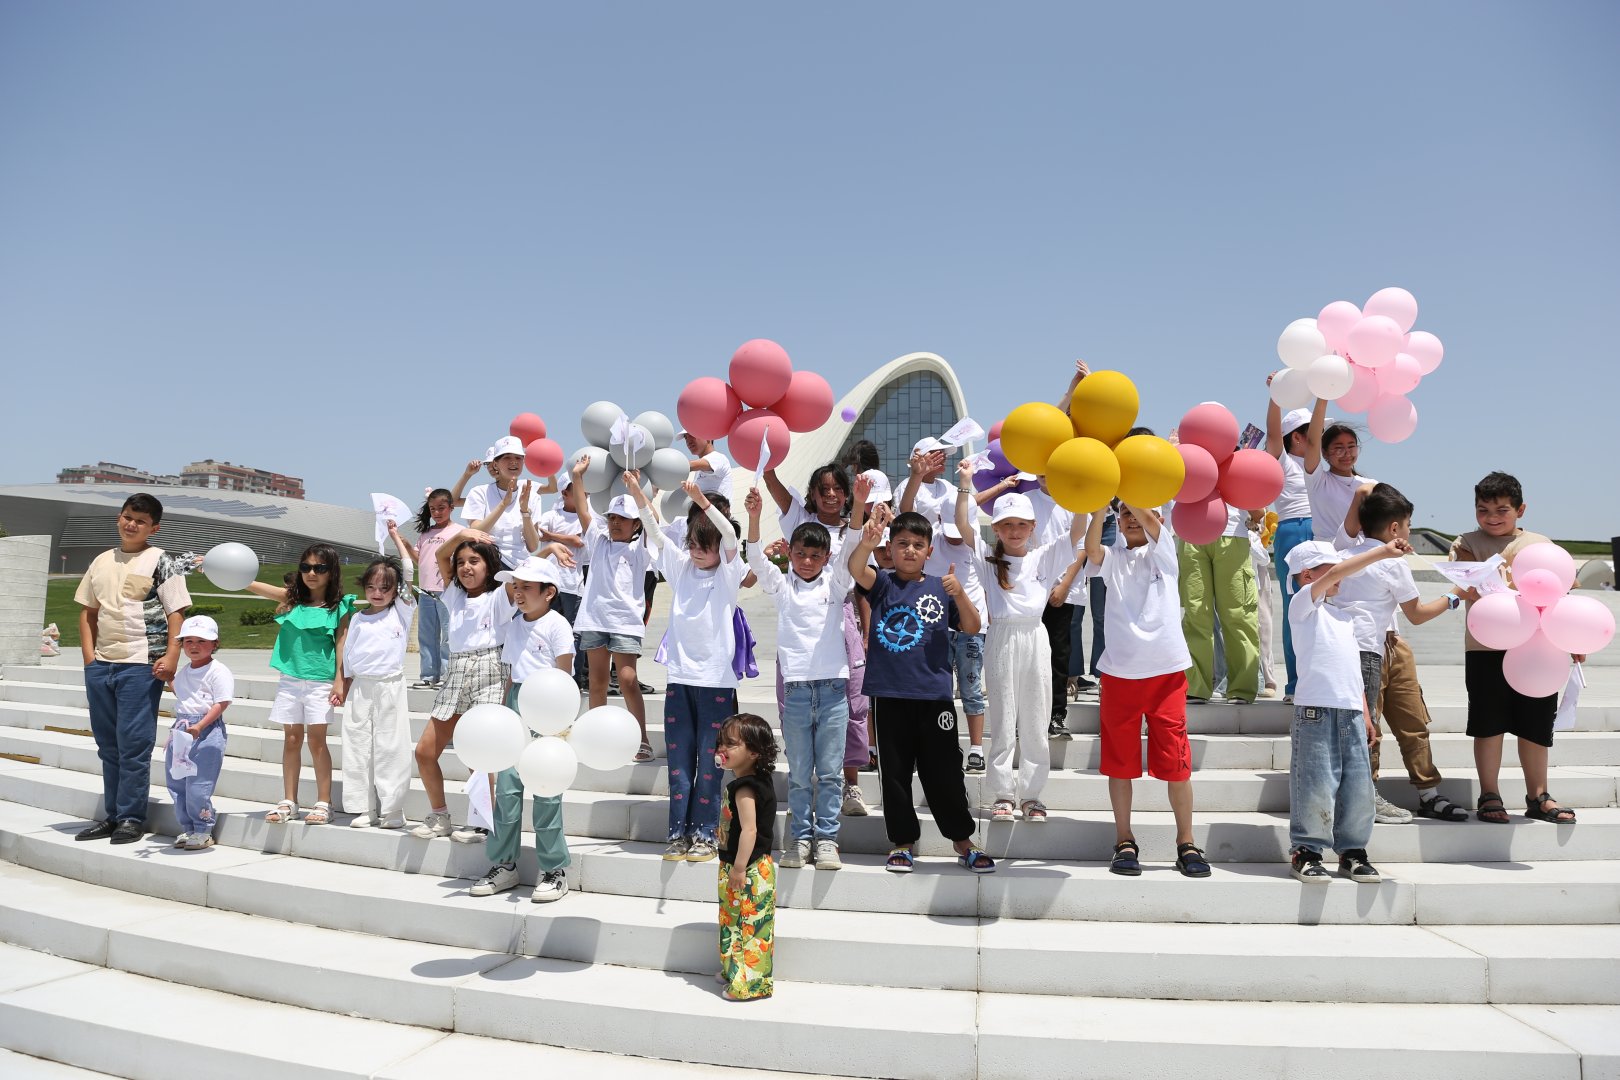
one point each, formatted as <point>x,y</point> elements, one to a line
<point>1363,390</point>
<point>1393,303</point>
<point>1200,522</point>
<point>1538,668</point>
<point>1251,479</point>
<point>543,457</point>
<point>1392,418</point>
<point>1503,620</point>
<point>1425,348</point>
<point>848,415</point>
<point>995,430</point>
<point>807,403</point>
<point>760,372</point>
<point>1578,624</point>
<point>1202,474</point>
<point>1211,426</point>
<point>1541,587</point>
<point>708,407</point>
<point>743,444</point>
<point>1546,556</point>
<point>1375,340</point>
<point>1335,322</point>
<point>1401,376</point>
<point>527,427</point>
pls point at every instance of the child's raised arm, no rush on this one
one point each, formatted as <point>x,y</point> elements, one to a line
<point>1395,549</point>
<point>652,535</point>
<point>466,474</point>
<point>967,615</point>
<point>407,553</point>
<point>728,535</point>
<point>1352,516</point>
<point>1313,436</point>
<point>860,554</point>
<point>1095,552</point>
<point>966,507</point>
<point>1275,446</point>
<point>780,495</point>
<point>1080,372</point>
<point>1149,519</point>
<point>582,502</point>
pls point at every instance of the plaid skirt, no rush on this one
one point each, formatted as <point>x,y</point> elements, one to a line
<point>474,678</point>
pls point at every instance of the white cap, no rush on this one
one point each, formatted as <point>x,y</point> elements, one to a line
<point>928,444</point>
<point>200,626</point>
<point>1312,553</point>
<point>881,491</point>
<point>949,529</point>
<point>531,569</point>
<point>622,506</point>
<point>489,454</point>
<point>1013,506</point>
<point>506,444</point>
<point>1294,419</point>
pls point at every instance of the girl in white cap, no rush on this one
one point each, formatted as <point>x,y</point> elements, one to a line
<point>202,690</point>
<point>499,507</point>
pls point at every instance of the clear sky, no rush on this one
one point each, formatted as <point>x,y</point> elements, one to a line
<point>348,241</point>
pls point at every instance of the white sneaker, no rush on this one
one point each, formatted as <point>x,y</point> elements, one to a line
<point>795,854</point>
<point>500,878</point>
<point>553,885</point>
<point>183,841</point>
<point>469,834</point>
<point>395,822</point>
<point>364,821</point>
<point>855,802</point>
<point>1387,813</point>
<point>432,825</point>
<point>827,855</point>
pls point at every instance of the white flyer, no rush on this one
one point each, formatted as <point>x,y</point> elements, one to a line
<point>387,508</point>
<point>180,744</point>
<point>480,805</point>
<point>1565,720</point>
<point>964,430</point>
<point>765,449</point>
<point>1485,576</point>
<point>980,461</point>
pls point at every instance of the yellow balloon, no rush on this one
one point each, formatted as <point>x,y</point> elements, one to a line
<point>1082,475</point>
<point>1151,471</point>
<point>1104,406</point>
<point>1031,432</point>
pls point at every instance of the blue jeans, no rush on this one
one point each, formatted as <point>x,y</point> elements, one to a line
<point>123,702</point>
<point>1290,533</point>
<point>432,636</point>
<point>194,795</point>
<point>1330,788</point>
<point>1099,597</point>
<point>814,722</point>
<point>967,653</point>
<point>692,719</point>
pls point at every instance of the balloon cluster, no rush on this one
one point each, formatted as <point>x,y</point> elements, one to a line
<point>645,442</point>
<point>1087,454</point>
<point>779,399</point>
<point>1538,624</point>
<point>1217,473</point>
<point>1366,359</point>
<point>541,455</point>
<point>490,738</point>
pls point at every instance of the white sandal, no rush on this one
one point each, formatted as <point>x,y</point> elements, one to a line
<point>320,814</point>
<point>286,810</point>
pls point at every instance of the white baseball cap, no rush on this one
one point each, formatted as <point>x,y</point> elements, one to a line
<point>928,444</point>
<point>533,568</point>
<point>1294,419</point>
<point>506,444</point>
<point>622,506</point>
<point>200,626</point>
<point>1312,553</point>
<point>949,529</point>
<point>881,491</point>
<point>1013,506</point>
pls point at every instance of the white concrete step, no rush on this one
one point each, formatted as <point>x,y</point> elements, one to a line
<point>15,1066</point>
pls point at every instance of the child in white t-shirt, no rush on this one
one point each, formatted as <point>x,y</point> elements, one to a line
<point>704,578</point>
<point>498,507</point>
<point>203,688</point>
<point>376,720</point>
<point>560,525</point>
<point>1143,672</point>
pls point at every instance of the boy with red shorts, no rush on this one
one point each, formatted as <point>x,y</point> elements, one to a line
<point>1143,672</point>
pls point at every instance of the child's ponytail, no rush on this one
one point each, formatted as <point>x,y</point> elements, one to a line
<point>998,559</point>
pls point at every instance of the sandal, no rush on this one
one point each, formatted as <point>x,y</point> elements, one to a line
<point>1001,810</point>
<point>286,810</point>
<point>900,861</point>
<point>977,861</point>
<point>1535,806</point>
<point>1442,809</point>
<point>1495,814</point>
<point>644,752</point>
<point>319,815</point>
<point>1127,859</point>
<point>1190,861</point>
<point>1034,811</point>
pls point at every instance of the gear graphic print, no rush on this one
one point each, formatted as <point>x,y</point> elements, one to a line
<point>899,629</point>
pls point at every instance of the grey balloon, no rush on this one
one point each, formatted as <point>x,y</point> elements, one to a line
<point>620,451</point>
<point>659,426</point>
<point>674,504</point>
<point>668,468</point>
<point>596,422</point>
<point>599,473</point>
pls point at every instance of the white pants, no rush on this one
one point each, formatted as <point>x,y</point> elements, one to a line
<point>376,746</point>
<point>1262,583</point>
<point>1018,706</point>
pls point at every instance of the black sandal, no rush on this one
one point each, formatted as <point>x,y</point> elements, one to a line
<point>1190,861</point>
<point>1497,814</point>
<point>1442,809</point>
<point>1127,859</point>
<point>1535,806</point>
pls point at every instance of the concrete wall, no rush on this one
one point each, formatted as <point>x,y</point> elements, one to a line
<point>23,564</point>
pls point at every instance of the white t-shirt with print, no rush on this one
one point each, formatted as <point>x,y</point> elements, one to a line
<point>196,690</point>
<point>476,622</point>
<point>508,528</point>
<point>374,645</point>
<point>1142,622</point>
<point>1030,576</point>
<point>616,591</point>
<point>1373,595</point>
<point>795,515</point>
<point>1330,496</point>
<point>531,645</point>
<point>1328,660</point>
<point>716,479</point>
<point>809,618</point>
<point>570,579</point>
<point>701,639</point>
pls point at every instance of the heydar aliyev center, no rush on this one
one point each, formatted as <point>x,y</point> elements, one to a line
<point>899,403</point>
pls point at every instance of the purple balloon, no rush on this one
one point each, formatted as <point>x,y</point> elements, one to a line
<point>848,415</point>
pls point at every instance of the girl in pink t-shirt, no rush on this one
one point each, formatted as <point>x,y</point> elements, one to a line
<point>435,527</point>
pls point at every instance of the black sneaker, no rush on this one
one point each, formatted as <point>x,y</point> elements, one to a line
<point>128,832</point>
<point>1307,867</point>
<point>975,762</point>
<point>99,831</point>
<point>1353,864</point>
<point>1056,730</point>
<point>1082,683</point>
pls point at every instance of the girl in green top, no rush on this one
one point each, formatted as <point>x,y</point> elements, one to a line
<point>308,612</point>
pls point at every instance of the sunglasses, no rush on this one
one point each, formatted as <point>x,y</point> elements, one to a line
<point>314,568</point>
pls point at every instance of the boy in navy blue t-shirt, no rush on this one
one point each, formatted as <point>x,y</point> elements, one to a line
<point>908,679</point>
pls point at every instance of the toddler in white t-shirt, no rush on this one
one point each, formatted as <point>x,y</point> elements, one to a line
<point>203,688</point>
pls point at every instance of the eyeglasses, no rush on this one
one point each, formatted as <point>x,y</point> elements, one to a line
<point>314,568</point>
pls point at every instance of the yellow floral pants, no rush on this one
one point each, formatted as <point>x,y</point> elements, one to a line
<point>748,930</point>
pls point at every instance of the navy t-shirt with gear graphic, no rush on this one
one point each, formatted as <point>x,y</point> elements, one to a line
<point>909,652</point>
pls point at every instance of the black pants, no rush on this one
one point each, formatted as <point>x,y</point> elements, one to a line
<point>921,737</point>
<point>1056,620</point>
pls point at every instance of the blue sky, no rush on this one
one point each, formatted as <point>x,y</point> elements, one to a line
<point>349,241</point>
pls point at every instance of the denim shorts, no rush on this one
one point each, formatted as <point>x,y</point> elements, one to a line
<point>627,644</point>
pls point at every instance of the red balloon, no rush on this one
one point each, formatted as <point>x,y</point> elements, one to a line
<point>1199,522</point>
<point>760,372</point>
<point>527,427</point>
<point>1251,479</point>
<point>708,407</point>
<point>807,404</point>
<point>1211,426</point>
<point>995,430</point>
<point>746,434</point>
<point>1202,473</point>
<point>543,456</point>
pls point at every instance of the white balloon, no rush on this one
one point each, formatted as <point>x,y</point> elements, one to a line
<point>549,701</point>
<point>668,468</point>
<point>1329,377</point>
<point>547,765</point>
<point>596,422</point>
<point>1289,390</point>
<point>604,738</point>
<point>490,737</point>
<point>658,426</point>
<point>599,473</point>
<point>231,566</point>
<point>638,460</point>
<point>1300,343</point>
